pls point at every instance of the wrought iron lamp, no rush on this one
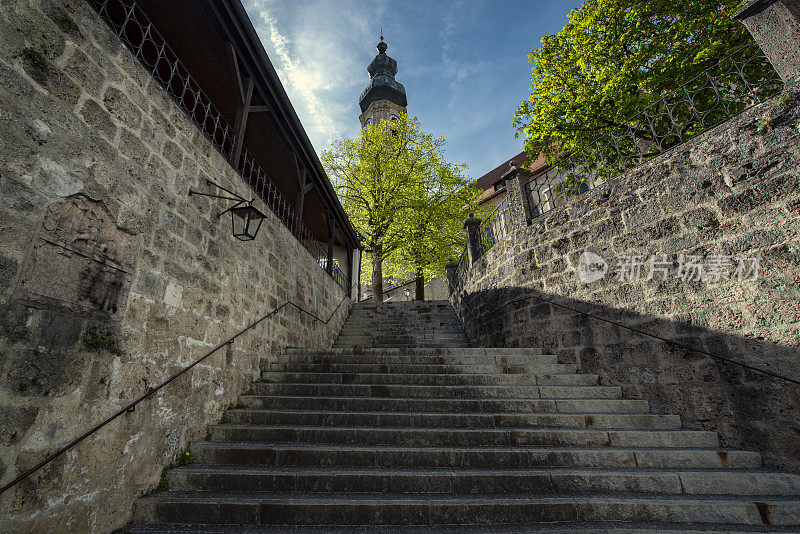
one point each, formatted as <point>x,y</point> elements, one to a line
<point>246,220</point>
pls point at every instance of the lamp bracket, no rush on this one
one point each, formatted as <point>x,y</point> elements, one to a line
<point>233,196</point>
<point>220,214</point>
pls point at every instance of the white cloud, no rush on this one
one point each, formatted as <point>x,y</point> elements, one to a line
<point>299,79</point>
<point>317,48</point>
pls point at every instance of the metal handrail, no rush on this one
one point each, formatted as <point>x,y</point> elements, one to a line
<point>151,391</point>
<point>638,331</point>
<point>396,286</point>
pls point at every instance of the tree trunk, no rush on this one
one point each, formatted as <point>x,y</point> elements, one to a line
<point>377,278</point>
<point>420,285</point>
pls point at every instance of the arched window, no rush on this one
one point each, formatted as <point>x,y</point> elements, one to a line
<point>367,122</point>
<point>394,118</point>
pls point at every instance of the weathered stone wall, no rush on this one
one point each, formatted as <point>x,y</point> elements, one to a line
<point>101,242</point>
<point>732,191</point>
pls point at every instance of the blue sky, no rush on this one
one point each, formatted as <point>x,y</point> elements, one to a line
<point>464,64</point>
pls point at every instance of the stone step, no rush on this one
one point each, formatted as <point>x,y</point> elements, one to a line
<point>299,454</point>
<point>483,481</point>
<point>532,365</point>
<point>386,324</point>
<point>516,364</point>
<point>410,314</point>
<point>393,341</point>
<point>499,405</point>
<point>492,351</point>
<point>405,324</point>
<point>419,379</point>
<point>415,345</point>
<point>399,340</point>
<point>468,392</point>
<point>405,327</point>
<point>452,420</point>
<point>571,527</point>
<point>460,437</point>
<point>425,369</point>
<point>401,329</point>
<point>445,311</point>
<point>256,508</point>
<point>402,320</point>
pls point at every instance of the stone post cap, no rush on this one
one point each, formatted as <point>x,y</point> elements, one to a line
<point>472,221</point>
<point>775,25</point>
<point>514,170</point>
<point>750,6</point>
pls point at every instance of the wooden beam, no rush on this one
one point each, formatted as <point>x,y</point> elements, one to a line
<point>259,109</point>
<point>303,186</point>
<point>241,123</point>
<point>233,63</point>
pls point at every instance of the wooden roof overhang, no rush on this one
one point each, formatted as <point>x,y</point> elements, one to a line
<point>209,37</point>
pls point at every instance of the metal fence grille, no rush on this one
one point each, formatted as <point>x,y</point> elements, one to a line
<point>463,265</point>
<point>495,225</point>
<point>734,84</point>
<point>134,29</point>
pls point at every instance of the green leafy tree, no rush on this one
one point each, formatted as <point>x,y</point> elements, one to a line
<point>399,192</point>
<point>614,58</point>
<point>435,223</point>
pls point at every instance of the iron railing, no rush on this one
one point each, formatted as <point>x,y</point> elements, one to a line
<point>495,225</point>
<point>487,231</point>
<point>134,29</point>
<point>341,277</point>
<point>736,83</point>
<point>463,266</point>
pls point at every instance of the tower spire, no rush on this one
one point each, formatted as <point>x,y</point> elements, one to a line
<point>382,90</point>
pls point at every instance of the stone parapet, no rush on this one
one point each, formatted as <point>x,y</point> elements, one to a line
<point>725,198</point>
<point>775,25</point>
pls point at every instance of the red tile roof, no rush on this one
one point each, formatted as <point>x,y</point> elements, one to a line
<point>488,180</point>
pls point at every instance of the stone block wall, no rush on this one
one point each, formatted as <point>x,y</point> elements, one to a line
<point>732,191</point>
<point>113,278</point>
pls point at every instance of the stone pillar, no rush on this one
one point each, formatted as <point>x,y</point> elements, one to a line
<point>775,25</point>
<point>472,225</point>
<point>519,201</point>
<point>452,275</point>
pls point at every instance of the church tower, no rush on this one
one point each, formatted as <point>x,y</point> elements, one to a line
<point>384,97</point>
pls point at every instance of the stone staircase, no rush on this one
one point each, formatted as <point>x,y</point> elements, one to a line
<point>432,436</point>
<point>412,324</point>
